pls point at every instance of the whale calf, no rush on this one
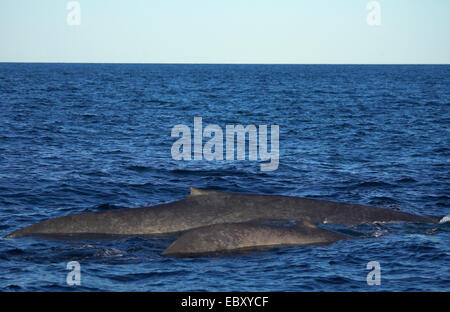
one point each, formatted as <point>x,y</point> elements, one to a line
<point>204,207</point>
<point>234,237</point>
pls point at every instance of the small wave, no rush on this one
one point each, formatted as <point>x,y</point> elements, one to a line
<point>383,200</point>
<point>15,252</point>
<point>445,219</point>
<point>88,116</point>
<point>138,168</point>
<point>374,184</point>
<point>106,206</point>
<point>14,287</point>
<point>406,180</point>
<point>441,150</point>
<point>334,280</point>
<point>208,173</point>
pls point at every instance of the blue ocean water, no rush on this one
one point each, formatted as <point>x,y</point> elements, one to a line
<point>93,137</point>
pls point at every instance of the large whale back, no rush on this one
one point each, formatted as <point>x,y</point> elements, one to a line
<point>204,207</point>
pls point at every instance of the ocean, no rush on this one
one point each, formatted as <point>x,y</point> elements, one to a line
<point>95,137</point>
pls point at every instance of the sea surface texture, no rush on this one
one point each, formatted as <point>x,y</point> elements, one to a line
<point>97,137</point>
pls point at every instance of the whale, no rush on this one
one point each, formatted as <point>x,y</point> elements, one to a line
<point>208,207</point>
<point>230,238</point>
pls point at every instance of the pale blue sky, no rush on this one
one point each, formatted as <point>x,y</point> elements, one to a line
<point>227,31</point>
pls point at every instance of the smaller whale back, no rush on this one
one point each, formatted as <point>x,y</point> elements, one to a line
<point>232,237</point>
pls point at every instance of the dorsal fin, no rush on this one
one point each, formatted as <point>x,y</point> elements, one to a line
<point>197,192</point>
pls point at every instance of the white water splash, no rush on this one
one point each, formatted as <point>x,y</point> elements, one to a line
<point>445,219</point>
<point>379,233</point>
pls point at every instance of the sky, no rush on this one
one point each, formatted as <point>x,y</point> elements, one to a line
<point>226,31</point>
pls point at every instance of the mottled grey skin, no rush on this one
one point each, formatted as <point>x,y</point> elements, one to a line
<point>204,208</point>
<point>233,237</point>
